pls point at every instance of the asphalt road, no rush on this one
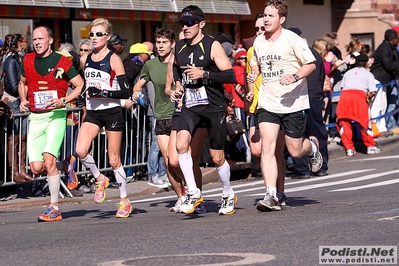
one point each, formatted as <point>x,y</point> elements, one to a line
<point>356,204</point>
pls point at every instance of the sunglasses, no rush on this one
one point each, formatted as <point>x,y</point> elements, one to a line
<point>260,28</point>
<point>187,23</point>
<point>84,50</point>
<point>242,58</point>
<point>98,34</point>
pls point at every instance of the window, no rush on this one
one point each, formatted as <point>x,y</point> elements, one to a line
<point>365,38</point>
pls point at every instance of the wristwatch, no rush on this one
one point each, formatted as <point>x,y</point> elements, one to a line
<point>64,102</point>
<point>205,75</point>
<point>296,77</point>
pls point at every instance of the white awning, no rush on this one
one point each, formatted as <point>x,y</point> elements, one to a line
<point>148,5</point>
<point>238,7</point>
<point>44,3</point>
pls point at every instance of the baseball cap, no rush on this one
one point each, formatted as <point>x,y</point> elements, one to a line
<point>116,38</point>
<point>139,48</point>
<point>188,16</point>
<point>241,52</point>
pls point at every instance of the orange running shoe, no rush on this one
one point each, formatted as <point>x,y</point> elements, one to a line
<point>50,215</point>
<point>72,178</point>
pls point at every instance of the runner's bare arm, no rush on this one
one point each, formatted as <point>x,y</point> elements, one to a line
<point>23,93</point>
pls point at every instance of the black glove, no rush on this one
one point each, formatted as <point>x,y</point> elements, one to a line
<point>96,93</point>
<point>7,110</point>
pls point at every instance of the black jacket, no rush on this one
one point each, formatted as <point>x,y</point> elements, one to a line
<point>133,70</point>
<point>12,73</point>
<point>315,79</point>
<point>386,65</point>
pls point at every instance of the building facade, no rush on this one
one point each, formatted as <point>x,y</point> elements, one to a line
<point>137,20</point>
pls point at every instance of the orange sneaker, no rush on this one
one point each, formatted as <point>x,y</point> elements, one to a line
<point>72,178</point>
<point>99,195</point>
<point>50,215</point>
<point>124,209</point>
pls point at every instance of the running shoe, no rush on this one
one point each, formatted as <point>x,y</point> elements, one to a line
<point>200,209</point>
<point>99,194</point>
<point>177,206</point>
<point>50,215</point>
<point>72,178</point>
<point>269,203</point>
<point>192,200</point>
<point>282,198</point>
<point>373,150</point>
<point>316,160</point>
<point>124,209</point>
<point>350,152</point>
<point>157,182</point>
<point>228,203</point>
<point>165,179</point>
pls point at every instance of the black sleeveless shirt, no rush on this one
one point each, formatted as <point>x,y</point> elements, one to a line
<point>199,55</point>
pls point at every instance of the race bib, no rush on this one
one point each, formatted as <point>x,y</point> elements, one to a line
<point>41,97</point>
<point>196,96</point>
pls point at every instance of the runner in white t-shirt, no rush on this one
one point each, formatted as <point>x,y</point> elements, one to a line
<point>284,60</point>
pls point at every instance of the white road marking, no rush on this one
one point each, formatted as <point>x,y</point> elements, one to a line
<point>377,184</point>
<point>357,179</point>
<point>376,158</point>
<point>237,189</point>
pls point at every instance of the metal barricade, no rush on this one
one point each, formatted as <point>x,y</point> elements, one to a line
<point>134,148</point>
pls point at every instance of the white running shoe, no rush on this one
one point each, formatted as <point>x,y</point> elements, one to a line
<point>228,203</point>
<point>316,160</point>
<point>269,203</point>
<point>177,206</point>
<point>373,150</point>
<point>192,200</point>
<point>351,152</point>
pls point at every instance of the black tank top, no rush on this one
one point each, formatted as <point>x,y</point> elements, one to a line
<point>199,55</point>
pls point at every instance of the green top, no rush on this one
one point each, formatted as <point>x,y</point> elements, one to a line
<point>45,65</point>
<point>155,71</point>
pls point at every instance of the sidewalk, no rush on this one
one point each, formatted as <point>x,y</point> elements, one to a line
<point>21,197</point>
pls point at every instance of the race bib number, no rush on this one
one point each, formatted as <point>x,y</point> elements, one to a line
<point>196,96</point>
<point>41,97</point>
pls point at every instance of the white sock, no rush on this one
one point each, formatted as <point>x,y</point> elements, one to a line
<point>54,183</point>
<point>186,166</point>
<point>314,148</point>
<point>224,175</point>
<point>120,176</point>
<point>272,191</point>
<point>90,164</point>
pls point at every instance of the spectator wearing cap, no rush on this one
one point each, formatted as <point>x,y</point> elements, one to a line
<point>116,43</point>
<point>138,55</point>
<point>358,87</point>
<point>241,150</point>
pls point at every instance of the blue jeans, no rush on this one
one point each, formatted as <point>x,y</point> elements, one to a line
<point>155,162</point>
<point>392,100</point>
<point>14,106</point>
